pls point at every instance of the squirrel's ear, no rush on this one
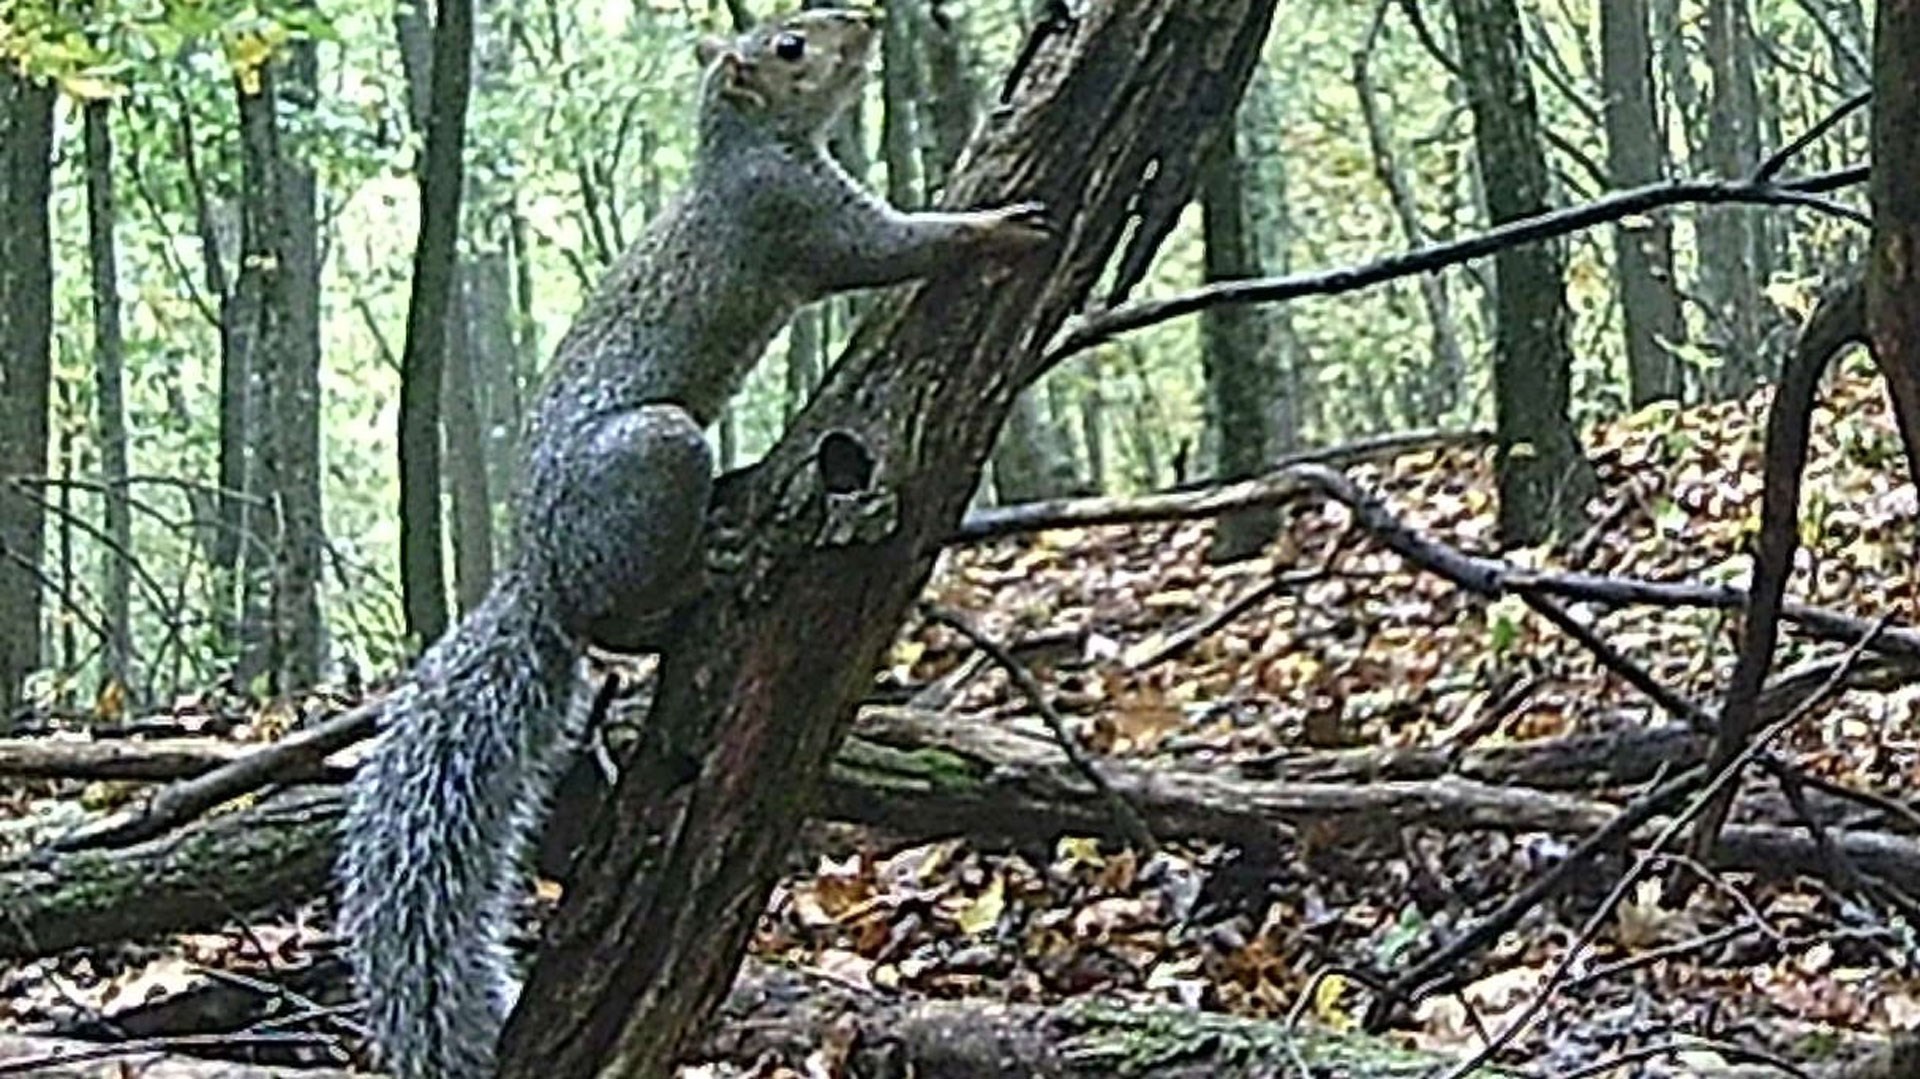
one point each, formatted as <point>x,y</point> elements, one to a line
<point>709,48</point>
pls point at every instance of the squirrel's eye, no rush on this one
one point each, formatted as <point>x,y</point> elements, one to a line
<point>790,47</point>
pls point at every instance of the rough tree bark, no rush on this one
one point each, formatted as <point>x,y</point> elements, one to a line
<point>752,704</point>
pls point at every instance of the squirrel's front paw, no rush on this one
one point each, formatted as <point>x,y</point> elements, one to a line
<point>1017,229</point>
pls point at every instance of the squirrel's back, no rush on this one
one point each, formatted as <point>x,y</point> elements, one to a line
<point>611,499</point>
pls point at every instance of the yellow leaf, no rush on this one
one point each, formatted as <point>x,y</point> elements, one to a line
<point>111,702</point>
<point>249,51</point>
<point>1326,1002</point>
<point>984,912</point>
<point>91,88</point>
<point>1076,851</point>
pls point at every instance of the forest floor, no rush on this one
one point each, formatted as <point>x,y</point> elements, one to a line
<point>1338,644</point>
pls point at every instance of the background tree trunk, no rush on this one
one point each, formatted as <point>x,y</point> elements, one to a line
<point>748,711</point>
<point>900,92</point>
<point>1643,248</point>
<point>423,578</point>
<point>1033,460</point>
<point>1732,253</point>
<point>952,100</point>
<point>261,311</point>
<point>480,379</point>
<point>1544,478</point>
<point>1445,379</point>
<point>26,358</point>
<point>296,396</point>
<point>1239,370</point>
<point>110,404</point>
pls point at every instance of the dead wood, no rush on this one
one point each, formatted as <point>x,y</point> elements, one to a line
<point>788,1015</point>
<point>59,1058</point>
<point>1837,321</point>
<point>911,775</point>
<point>1201,501</point>
<point>303,751</point>
<point>118,759</point>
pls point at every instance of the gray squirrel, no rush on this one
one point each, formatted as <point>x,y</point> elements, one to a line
<point>610,515</point>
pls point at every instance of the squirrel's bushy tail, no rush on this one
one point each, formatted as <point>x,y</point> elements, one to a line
<point>437,828</point>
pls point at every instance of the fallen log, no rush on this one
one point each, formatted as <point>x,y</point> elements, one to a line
<point>120,759</point>
<point>911,777</point>
<point>60,1058</point>
<point>790,1015</point>
<point>269,857</point>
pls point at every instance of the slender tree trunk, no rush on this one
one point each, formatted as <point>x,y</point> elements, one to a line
<point>1269,211</point>
<point>262,300</point>
<point>473,356</point>
<point>1643,249</point>
<point>806,358</point>
<point>899,86</point>
<point>1239,372</point>
<point>1730,251</point>
<point>1543,476</point>
<point>479,397</point>
<point>296,396</point>
<point>952,99</point>
<point>223,522</point>
<point>1032,459</point>
<point>1445,380</point>
<point>423,578</point>
<point>67,452</point>
<point>1093,421</point>
<point>110,405</point>
<point>465,464</point>
<point>26,357</point>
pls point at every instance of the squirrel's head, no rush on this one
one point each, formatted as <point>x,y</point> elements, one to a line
<point>798,71</point>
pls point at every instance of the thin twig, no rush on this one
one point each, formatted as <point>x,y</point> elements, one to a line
<point>182,801</point>
<point>1102,326</point>
<point>1721,779</point>
<point>1132,824</point>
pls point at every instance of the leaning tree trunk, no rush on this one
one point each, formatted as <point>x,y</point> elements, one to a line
<point>843,520</point>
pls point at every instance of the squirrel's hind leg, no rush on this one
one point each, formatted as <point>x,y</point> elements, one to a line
<point>625,529</point>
